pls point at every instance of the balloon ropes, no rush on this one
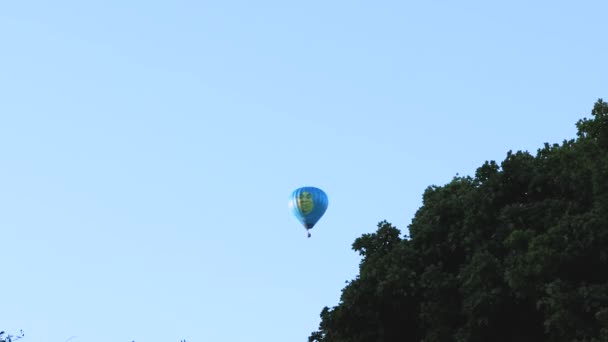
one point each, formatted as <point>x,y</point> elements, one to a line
<point>308,204</point>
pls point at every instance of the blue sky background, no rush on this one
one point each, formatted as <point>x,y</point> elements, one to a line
<point>148,148</point>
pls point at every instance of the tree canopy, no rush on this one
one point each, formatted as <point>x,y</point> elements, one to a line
<point>4,337</point>
<point>519,252</point>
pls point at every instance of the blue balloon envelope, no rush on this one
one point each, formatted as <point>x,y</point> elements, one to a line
<point>308,204</point>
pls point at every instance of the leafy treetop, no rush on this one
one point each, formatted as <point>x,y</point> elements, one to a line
<point>515,253</point>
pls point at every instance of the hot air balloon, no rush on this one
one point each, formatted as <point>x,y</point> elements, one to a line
<point>308,204</point>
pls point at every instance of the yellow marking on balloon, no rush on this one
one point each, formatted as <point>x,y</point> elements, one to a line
<point>305,202</point>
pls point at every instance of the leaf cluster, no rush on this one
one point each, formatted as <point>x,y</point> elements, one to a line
<point>4,337</point>
<point>519,252</point>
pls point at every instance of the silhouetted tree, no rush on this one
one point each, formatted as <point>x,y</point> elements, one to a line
<point>519,252</point>
<point>4,337</point>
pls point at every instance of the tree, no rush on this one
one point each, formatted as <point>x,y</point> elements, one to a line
<point>4,337</point>
<point>516,253</point>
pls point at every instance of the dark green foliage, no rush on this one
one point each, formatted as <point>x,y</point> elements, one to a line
<point>518,253</point>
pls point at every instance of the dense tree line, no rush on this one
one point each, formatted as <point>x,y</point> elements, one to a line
<point>519,252</point>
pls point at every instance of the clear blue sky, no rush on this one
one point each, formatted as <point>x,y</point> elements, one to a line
<point>148,148</point>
